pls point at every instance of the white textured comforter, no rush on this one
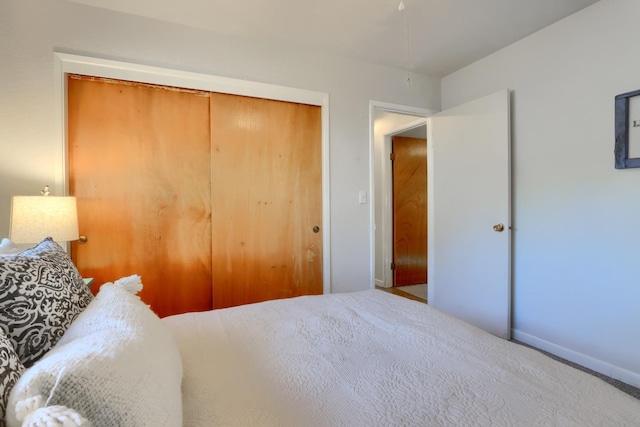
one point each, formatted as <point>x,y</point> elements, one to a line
<point>374,359</point>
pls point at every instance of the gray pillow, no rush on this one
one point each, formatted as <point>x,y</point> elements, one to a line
<point>10,370</point>
<point>41,293</point>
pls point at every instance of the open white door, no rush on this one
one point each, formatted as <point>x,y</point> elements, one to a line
<point>470,186</point>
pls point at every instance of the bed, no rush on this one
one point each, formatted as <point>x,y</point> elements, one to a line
<point>366,358</point>
<point>371,359</point>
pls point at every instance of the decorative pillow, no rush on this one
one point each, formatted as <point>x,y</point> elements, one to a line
<point>10,370</point>
<point>117,365</point>
<point>41,293</point>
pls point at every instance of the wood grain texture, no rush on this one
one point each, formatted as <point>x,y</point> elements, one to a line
<point>139,165</point>
<point>266,195</point>
<point>410,210</point>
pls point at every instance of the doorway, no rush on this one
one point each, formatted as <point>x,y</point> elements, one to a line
<point>387,120</point>
<point>409,209</point>
<point>468,153</point>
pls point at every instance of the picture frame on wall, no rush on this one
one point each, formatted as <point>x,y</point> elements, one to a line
<point>627,129</point>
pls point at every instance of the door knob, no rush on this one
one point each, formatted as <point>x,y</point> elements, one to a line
<point>316,229</point>
<point>499,228</point>
<point>82,239</point>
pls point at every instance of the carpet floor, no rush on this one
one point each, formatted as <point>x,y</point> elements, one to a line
<point>629,389</point>
<point>419,291</point>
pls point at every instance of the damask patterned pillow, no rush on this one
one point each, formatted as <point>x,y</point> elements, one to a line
<point>10,370</point>
<point>41,293</point>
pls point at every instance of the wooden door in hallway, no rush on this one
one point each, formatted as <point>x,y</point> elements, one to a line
<point>409,210</point>
<point>266,198</point>
<point>139,165</point>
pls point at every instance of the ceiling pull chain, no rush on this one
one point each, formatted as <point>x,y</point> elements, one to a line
<point>401,8</point>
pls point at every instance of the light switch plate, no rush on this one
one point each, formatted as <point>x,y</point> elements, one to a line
<point>362,197</point>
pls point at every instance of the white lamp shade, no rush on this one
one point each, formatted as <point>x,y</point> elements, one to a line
<point>35,217</point>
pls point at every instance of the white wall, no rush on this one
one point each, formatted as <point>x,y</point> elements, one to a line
<point>577,219</point>
<point>31,30</point>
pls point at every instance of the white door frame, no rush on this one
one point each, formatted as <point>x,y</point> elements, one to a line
<point>387,202</point>
<point>420,114</point>
<point>74,64</point>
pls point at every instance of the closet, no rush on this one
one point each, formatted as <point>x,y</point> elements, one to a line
<point>213,199</point>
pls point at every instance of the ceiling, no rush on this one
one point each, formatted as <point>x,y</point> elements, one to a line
<point>434,37</point>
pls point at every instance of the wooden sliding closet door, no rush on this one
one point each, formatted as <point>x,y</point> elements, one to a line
<point>266,168</point>
<point>139,165</point>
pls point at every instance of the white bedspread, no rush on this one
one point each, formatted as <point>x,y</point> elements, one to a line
<point>374,359</point>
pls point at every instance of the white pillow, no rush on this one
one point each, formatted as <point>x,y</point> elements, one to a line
<point>116,365</point>
<point>7,247</point>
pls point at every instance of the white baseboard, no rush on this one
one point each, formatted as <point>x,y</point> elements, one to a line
<point>629,377</point>
<point>380,283</point>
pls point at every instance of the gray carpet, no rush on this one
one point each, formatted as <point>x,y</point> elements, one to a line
<point>419,291</point>
<point>629,389</point>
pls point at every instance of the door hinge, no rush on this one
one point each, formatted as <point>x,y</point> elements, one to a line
<point>392,156</point>
<point>393,266</point>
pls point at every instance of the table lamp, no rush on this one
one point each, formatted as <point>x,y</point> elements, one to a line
<point>34,218</point>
